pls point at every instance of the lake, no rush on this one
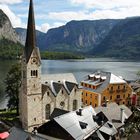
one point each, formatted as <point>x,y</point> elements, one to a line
<point>80,68</point>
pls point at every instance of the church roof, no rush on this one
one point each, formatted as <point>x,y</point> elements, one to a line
<point>69,86</point>
<point>59,77</point>
<point>57,112</point>
<point>55,87</point>
<point>30,44</point>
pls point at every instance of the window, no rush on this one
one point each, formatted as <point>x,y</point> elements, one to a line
<point>75,104</point>
<point>110,97</point>
<point>112,88</point>
<point>89,86</point>
<point>35,119</point>
<point>90,95</point>
<point>85,85</point>
<point>118,87</point>
<point>86,94</point>
<point>104,98</point>
<point>48,93</point>
<point>34,73</point>
<point>62,104</point>
<point>48,111</point>
<point>96,97</point>
<point>95,105</point>
<point>124,96</point>
<point>90,103</point>
<point>118,96</point>
<point>86,101</point>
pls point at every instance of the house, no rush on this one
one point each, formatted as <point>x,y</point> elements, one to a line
<point>20,134</point>
<point>101,123</point>
<point>41,94</point>
<point>102,87</point>
<point>135,98</point>
<point>82,124</point>
<point>117,114</point>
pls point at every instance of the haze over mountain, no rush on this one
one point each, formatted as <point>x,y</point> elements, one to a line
<point>122,41</point>
<point>9,40</point>
<point>108,38</point>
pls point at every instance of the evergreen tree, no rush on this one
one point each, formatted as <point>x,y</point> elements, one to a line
<point>13,82</point>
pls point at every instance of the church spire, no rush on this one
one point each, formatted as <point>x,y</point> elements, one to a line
<point>31,35</point>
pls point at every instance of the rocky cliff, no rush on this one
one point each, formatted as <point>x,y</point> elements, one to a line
<point>6,29</point>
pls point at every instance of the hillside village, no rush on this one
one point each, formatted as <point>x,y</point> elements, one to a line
<point>103,106</point>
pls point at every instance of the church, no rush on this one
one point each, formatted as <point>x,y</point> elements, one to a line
<point>41,94</point>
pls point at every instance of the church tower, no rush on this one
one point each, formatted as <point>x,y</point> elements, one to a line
<point>31,94</point>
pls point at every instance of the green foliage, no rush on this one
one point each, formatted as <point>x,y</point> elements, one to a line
<point>60,55</point>
<point>13,82</point>
<point>123,41</point>
<point>133,125</point>
<point>9,49</point>
<point>138,75</point>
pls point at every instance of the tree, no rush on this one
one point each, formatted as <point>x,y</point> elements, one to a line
<point>138,75</point>
<point>13,82</point>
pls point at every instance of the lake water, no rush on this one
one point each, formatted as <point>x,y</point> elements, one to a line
<point>80,68</point>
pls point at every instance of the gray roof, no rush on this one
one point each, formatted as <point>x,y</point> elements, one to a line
<point>57,112</point>
<point>19,134</point>
<point>55,87</point>
<point>112,112</point>
<point>59,77</point>
<point>71,123</point>
<point>108,78</point>
<point>102,85</point>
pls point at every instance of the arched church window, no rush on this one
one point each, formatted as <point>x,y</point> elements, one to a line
<point>36,73</point>
<point>48,111</point>
<point>62,104</point>
<point>75,104</point>
<point>31,73</point>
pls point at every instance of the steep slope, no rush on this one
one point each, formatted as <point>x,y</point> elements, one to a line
<point>40,36</point>
<point>6,29</point>
<point>9,41</point>
<point>123,40</point>
<point>78,36</point>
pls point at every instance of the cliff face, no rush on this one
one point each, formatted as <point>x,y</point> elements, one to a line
<point>80,36</point>
<point>122,41</point>
<point>10,47</point>
<point>6,29</point>
<point>40,37</point>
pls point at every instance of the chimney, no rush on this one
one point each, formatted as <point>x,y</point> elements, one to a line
<point>122,118</point>
<point>79,112</point>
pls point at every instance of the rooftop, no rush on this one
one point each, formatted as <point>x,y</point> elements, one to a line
<point>101,80</point>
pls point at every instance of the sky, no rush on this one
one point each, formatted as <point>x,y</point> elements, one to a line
<point>55,13</point>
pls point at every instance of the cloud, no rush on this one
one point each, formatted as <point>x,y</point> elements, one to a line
<point>46,26</point>
<point>99,9</point>
<point>106,4</point>
<point>15,20</point>
<point>10,1</point>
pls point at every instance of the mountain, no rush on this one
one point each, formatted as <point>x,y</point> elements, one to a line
<point>39,35</point>
<point>6,29</point>
<point>78,36</point>
<point>122,41</point>
<point>10,47</point>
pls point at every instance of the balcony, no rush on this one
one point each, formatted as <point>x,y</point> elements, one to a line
<point>118,99</point>
<point>118,90</point>
<point>111,91</point>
